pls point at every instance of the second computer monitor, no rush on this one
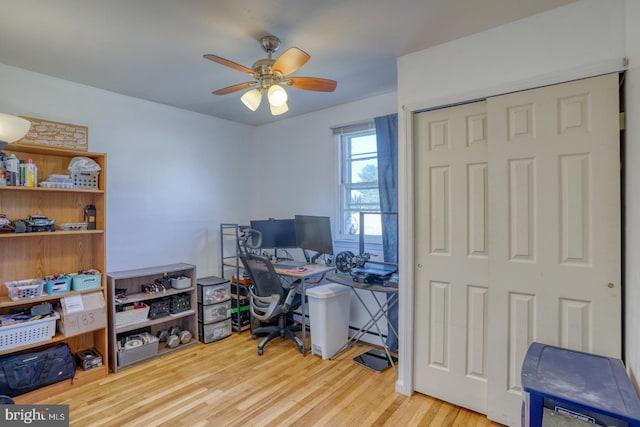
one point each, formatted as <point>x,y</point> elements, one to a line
<point>313,233</point>
<point>276,233</point>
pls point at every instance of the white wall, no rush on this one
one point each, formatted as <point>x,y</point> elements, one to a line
<point>578,40</point>
<point>171,175</point>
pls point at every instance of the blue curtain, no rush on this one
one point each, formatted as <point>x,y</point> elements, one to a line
<point>387,138</point>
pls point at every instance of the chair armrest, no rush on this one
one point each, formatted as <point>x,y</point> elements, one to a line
<point>264,308</point>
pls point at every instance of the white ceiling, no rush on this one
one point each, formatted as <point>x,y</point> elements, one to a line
<point>152,49</point>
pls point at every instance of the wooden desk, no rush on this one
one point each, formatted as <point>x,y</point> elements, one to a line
<point>310,271</point>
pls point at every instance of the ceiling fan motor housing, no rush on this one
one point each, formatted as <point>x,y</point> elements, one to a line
<point>270,43</point>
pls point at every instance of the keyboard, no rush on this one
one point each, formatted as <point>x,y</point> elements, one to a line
<point>289,264</point>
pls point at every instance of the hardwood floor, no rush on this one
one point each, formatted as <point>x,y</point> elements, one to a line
<point>227,384</point>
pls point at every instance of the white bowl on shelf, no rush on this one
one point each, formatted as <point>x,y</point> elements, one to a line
<point>181,282</point>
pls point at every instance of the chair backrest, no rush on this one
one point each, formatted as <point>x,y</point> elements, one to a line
<point>267,299</point>
<point>264,280</point>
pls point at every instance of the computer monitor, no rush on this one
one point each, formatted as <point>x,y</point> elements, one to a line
<point>276,233</point>
<point>314,233</point>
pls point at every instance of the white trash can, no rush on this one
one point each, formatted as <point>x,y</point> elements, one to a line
<point>329,318</point>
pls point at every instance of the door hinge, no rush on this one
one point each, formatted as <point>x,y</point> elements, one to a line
<point>622,120</point>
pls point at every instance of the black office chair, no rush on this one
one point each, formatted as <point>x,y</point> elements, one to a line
<point>268,299</point>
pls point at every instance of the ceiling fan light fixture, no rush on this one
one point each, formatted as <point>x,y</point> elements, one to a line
<point>277,96</point>
<point>272,74</point>
<point>276,111</point>
<point>252,99</point>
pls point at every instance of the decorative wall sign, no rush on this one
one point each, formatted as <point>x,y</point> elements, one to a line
<point>56,134</point>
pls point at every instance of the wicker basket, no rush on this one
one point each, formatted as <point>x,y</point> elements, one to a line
<point>26,333</point>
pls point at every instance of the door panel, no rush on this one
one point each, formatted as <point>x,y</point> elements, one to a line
<point>452,250</point>
<point>555,228</point>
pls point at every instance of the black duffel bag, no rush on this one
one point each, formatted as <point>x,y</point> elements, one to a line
<point>25,372</point>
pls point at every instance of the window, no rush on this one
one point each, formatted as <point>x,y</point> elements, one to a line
<point>358,181</point>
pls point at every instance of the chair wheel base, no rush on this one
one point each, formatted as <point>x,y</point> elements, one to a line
<point>260,352</point>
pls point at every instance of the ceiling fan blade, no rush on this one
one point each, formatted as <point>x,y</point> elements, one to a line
<point>229,64</point>
<point>312,83</point>
<point>290,60</point>
<point>234,88</point>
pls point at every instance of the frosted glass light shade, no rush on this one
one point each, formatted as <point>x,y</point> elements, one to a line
<point>276,111</point>
<point>277,96</point>
<point>12,128</point>
<point>252,99</point>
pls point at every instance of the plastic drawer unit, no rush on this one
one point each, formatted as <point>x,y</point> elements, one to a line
<point>214,309</point>
<point>586,387</point>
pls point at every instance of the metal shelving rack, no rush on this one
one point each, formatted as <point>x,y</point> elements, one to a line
<point>228,232</point>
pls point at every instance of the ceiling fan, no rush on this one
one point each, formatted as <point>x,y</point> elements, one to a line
<point>271,75</point>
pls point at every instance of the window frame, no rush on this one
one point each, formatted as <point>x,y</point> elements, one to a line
<point>342,136</point>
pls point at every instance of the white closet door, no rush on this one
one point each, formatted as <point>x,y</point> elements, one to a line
<point>554,203</point>
<point>517,245</point>
<point>450,353</point>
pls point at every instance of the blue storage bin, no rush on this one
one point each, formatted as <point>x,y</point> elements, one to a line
<point>58,285</point>
<point>81,282</point>
<point>590,388</point>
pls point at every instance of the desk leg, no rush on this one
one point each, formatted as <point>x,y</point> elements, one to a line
<point>392,300</point>
<point>383,309</point>
<point>303,317</point>
<point>381,313</point>
<point>363,329</point>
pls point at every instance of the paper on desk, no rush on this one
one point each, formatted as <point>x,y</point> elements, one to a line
<point>73,303</point>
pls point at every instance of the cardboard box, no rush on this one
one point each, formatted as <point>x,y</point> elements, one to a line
<point>82,313</point>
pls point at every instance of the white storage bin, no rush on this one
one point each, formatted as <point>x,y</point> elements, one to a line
<point>129,317</point>
<point>181,282</point>
<point>133,355</point>
<point>26,333</point>
<point>329,318</point>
